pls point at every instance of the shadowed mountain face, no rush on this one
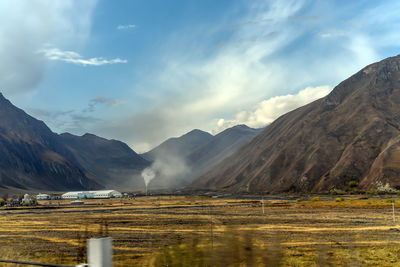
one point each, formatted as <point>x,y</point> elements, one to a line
<point>109,162</point>
<point>353,134</point>
<point>32,157</point>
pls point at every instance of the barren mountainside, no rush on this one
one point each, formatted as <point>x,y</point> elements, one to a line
<point>32,157</point>
<point>353,134</point>
<point>111,163</point>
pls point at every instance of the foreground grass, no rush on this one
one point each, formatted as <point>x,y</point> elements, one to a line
<point>201,231</point>
<point>243,250</point>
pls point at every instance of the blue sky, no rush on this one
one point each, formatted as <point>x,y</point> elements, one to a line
<point>143,71</point>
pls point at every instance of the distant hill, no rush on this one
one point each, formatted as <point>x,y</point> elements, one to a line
<point>182,146</point>
<point>32,157</point>
<point>178,161</point>
<point>111,163</point>
<point>221,146</point>
<point>169,159</point>
<point>351,135</point>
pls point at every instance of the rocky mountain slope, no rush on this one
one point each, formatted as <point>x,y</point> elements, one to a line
<point>110,162</point>
<point>32,157</point>
<point>353,134</point>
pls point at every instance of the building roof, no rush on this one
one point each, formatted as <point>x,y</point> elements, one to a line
<point>91,192</point>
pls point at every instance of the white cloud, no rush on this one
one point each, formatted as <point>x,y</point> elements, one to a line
<point>201,81</point>
<point>269,110</point>
<point>126,27</point>
<point>272,53</point>
<point>75,58</point>
<point>26,26</point>
<point>275,49</point>
<point>109,102</point>
<point>193,87</point>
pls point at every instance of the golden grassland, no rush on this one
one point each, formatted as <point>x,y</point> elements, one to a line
<point>203,231</point>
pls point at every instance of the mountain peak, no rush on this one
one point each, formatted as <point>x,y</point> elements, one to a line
<point>90,135</point>
<point>3,99</point>
<point>196,132</point>
<point>384,68</point>
<point>377,77</point>
<point>181,146</point>
<point>239,129</point>
<point>349,135</point>
<point>241,126</point>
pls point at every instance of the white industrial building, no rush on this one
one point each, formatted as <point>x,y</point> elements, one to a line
<point>92,194</point>
<point>41,196</point>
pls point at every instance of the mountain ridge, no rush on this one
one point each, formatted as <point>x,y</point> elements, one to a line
<point>197,158</point>
<point>181,145</point>
<point>345,136</point>
<point>110,162</point>
<point>35,158</point>
<point>222,146</point>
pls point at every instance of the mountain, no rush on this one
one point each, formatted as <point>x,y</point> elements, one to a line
<point>110,162</point>
<point>33,157</point>
<point>169,159</point>
<point>353,134</point>
<point>220,147</point>
<point>180,146</point>
<point>178,161</point>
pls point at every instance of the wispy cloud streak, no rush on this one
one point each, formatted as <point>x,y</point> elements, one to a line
<point>75,58</point>
<point>126,27</point>
<point>109,102</point>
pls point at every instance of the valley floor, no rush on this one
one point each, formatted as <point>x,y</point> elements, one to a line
<point>203,231</point>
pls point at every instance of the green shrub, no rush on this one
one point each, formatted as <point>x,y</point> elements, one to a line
<point>390,200</point>
<point>353,184</point>
<point>339,199</point>
<point>315,199</point>
<point>371,192</point>
<point>333,192</point>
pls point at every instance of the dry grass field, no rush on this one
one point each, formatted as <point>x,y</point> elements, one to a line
<point>203,231</point>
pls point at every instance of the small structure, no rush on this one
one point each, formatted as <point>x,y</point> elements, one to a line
<point>77,202</point>
<point>27,200</point>
<point>92,194</point>
<point>41,196</point>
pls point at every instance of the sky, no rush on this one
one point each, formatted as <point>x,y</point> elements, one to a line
<point>144,71</point>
